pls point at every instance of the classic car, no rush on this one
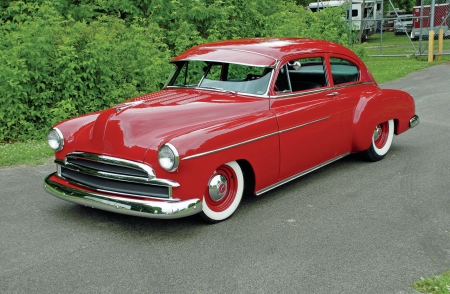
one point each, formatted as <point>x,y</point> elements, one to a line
<point>235,117</point>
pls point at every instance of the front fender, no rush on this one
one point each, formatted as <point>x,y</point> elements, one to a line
<point>251,138</point>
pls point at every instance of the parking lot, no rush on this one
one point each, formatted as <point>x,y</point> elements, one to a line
<point>350,227</point>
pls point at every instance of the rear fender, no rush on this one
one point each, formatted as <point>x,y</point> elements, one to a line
<point>387,104</point>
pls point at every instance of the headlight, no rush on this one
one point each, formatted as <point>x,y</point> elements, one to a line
<point>55,139</point>
<point>168,157</point>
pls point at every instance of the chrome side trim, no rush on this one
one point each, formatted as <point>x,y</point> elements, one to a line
<point>319,90</point>
<point>300,93</point>
<point>142,208</point>
<point>352,84</point>
<point>305,124</point>
<point>230,146</point>
<point>254,139</point>
<point>414,121</point>
<point>299,174</point>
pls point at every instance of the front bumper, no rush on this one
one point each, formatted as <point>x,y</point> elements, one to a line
<point>144,208</point>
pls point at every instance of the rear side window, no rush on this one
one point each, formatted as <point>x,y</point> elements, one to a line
<point>343,71</point>
<point>301,74</point>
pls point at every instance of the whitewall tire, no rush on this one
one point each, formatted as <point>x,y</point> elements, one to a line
<point>223,192</point>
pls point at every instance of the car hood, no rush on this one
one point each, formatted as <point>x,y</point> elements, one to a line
<point>129,129</point>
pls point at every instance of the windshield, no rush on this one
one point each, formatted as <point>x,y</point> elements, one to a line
<point>221,76</point>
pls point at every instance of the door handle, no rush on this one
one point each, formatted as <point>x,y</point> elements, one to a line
<point>332,94</point>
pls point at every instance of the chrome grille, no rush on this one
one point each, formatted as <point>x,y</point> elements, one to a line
<point>109,168</point>
<point>114,175</point>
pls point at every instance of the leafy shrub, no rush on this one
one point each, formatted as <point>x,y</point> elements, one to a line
<point>55,67</point>
<point>63,58</point>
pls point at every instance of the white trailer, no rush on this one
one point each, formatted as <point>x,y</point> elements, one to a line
<point>364,13</point>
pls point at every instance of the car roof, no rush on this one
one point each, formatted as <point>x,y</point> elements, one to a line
<point>258,51</point>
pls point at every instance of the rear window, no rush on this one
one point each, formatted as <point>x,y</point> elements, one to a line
<point>343,71</point>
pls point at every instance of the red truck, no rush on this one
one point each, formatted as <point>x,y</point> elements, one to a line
<point>441,20</point>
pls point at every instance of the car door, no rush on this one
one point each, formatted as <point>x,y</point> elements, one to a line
<point>308,116</point>
<point>346,81</point>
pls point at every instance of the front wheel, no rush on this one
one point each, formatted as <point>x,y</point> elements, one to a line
<point>381,141</point>
<point>223,192</point>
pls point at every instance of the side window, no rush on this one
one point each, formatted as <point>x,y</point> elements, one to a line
<point>354,13</point>
<point>301,74</point>
<point>343,71</point>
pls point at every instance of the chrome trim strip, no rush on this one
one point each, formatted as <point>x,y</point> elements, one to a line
<point>305,124</point>
<point>414,121</point>
<point>300,93</point>
<point>254,139</point>
<point>229,147</point>
<point>142,208</point>
<point>323,89</point>
<point>352,84</point>
<point>299,174</point>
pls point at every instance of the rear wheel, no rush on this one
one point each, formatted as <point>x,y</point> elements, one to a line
<point>381,141</point>
<point>223,192</point>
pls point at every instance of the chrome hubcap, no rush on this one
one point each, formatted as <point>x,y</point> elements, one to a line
<point>377,132</point>
<point>218,187</point>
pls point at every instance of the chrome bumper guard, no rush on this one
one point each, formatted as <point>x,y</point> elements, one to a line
<point>414,121</point>
<point>143,208</point>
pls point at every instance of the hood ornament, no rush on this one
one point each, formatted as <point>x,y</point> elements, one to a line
<point>122,106</point>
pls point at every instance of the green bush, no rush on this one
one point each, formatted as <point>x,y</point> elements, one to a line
<point>64,58</point>
<point>55,67</point>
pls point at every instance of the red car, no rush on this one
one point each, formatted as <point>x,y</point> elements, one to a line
<point>234,116</point>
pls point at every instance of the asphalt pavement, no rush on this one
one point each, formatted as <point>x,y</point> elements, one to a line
<point>350,227</point>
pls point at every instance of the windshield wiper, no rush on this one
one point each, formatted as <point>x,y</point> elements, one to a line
<point>183,86</point>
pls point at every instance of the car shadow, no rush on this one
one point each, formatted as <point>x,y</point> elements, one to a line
<point>91,219</point>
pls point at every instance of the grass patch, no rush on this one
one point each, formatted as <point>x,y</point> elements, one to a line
<point>30,153</point>
<point>399,45</point>
<point>435,285</point>
<point>386,69</point>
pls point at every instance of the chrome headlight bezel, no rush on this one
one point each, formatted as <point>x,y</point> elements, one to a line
<point>55,139</point>
<point>168,157</point>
